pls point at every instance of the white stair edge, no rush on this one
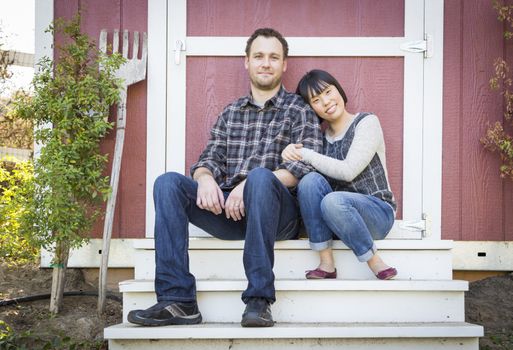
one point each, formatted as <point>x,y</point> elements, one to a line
<point>320,285</point>
<point>292,264</point>
<point>215,243</point>
<point>297,330</point>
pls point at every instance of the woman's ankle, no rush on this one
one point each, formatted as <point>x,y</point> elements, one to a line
<point>376,264</point>
<point>326,267</point>
<point>327,262</point>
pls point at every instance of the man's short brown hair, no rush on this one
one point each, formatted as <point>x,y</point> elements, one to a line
<point>268,33</point>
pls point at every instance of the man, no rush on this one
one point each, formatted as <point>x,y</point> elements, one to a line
<point>238,191</point>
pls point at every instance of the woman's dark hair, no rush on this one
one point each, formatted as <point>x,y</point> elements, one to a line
<point>314,82</point>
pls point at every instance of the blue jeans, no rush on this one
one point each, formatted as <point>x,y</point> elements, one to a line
<point>271,214</point>
<point>356,219</point>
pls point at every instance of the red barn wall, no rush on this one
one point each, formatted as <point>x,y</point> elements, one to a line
<point>476,203</point>
<point>129,219</point>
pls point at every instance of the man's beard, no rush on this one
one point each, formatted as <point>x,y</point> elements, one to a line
<point>267,84</point>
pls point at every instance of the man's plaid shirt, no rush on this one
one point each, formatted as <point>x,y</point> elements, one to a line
<point>246,137</point>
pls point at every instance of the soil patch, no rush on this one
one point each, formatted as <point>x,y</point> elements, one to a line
<point>78,323</point>
<point>489,302</point>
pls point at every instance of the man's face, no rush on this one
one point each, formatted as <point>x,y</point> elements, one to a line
<point>265,63</point>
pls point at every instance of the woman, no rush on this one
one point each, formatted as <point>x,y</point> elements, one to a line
<point>352,201</point>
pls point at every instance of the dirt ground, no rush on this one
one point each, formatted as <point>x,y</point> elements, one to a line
<point>78,319</point>
<point>489,302</point>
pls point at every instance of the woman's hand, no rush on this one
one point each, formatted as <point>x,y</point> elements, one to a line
<point>292,152</point>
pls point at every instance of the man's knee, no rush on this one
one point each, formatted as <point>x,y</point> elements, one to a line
<point>260,177</point>
<point>261,185</point>
<point>168,181</point>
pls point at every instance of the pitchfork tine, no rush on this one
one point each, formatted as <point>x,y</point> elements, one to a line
<point>125,43</point>
<point>115,41</point>
<point>103,41</point>
<point>145,50</point>
<point>135,47</point>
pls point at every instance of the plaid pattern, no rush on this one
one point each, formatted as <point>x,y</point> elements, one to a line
<point>247,136</point>
<point>372,180</point>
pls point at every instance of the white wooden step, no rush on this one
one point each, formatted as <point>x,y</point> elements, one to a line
<point>352,336</point>
<point>323,300</point>
<point>414,259</point>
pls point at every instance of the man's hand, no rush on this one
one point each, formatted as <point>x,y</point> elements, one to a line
<point>292,152</point>
<point>209,197</point>
<point>234,207</point>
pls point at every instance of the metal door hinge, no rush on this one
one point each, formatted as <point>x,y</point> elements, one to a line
<point>423,225</point>
<point>425,46</point>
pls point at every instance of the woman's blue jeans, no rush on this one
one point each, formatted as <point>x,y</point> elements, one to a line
<point>271,214</point>
<point>354,218</point>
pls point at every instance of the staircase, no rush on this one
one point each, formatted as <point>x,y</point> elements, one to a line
<point>422,308</point>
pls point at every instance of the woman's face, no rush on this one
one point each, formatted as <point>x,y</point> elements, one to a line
<point>329,104</point>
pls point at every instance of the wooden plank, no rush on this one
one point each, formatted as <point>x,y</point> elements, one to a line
<point>338,18</point>
<point>452,103</point>
<point>132,195</point>
<point>481,187</point>
<point>156,104</point>
<point>130,209</point>
<point>98,15</point>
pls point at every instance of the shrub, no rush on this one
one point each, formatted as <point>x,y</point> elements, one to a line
<point>497,138</point>
<point>15,132</point>
<point>16,181</point>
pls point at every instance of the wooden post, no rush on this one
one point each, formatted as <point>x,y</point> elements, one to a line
<point>58,277</point>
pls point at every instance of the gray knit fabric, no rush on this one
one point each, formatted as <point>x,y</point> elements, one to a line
<point>355,161</point>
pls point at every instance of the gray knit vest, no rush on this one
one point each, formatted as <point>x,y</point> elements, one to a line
<point>372,180</point>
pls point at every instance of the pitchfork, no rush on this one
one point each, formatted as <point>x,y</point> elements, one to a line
<point>133,71</point>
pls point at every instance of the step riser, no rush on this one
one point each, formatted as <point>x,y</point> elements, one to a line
<point>295,344</point>
<point>326,306</point>
<point>291,264</point>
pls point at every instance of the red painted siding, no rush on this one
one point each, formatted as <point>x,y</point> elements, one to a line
<point>474,198</point>
<point>476,204</point>
<point>129,219</point>
<point>309,17</point>
<point>364,80</point>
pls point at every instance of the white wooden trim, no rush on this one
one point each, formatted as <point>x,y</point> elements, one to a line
<point>499,255</point>
<point>482,256</point>
<point>360,335</point>
<point>18,153</point>
<point>177,21</point>
<point>122,253</point>
<point>398,231</point>
<point>421,181</point>
<point>433,120</point>
<point>412,124</point>
<point>20,59</point>
<point>156,103</point>
<point>43,41</point>
<point>302,244</point>
<point>301,46</point>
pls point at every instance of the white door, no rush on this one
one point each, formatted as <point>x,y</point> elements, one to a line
<point>196,64</point>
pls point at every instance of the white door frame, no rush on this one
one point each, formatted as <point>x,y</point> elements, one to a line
<point>422,171</point>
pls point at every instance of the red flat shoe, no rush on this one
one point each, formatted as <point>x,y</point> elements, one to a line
<point>319,274</point>
<point>387,274</point>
